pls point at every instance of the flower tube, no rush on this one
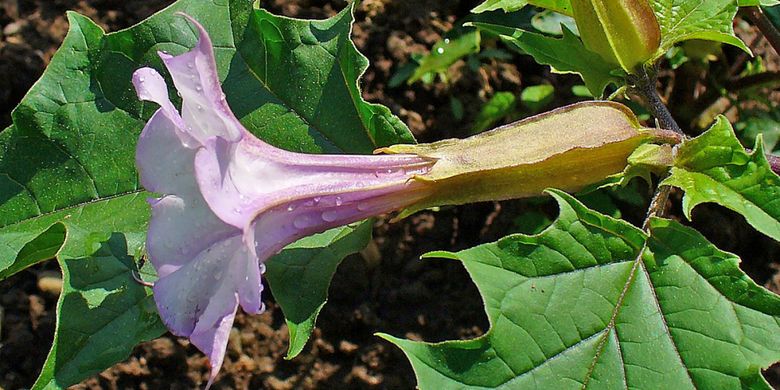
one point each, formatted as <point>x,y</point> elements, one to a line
<point>230,201</point>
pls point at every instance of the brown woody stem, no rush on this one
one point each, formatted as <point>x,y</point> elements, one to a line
<point>758,18</point>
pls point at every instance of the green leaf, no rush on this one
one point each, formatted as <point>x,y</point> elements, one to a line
<point>67,164</point>
<point>549,22</point>
<point>498,107</point>
<point>592,303</point>
<point>537,97</point>
<point>682,20</point>
<point>755,122</point>
<point>564,55</point>
<point>446,52</point>
<point>560,6</point>
<point>300,276</point>
<point>714,167</point>
<point>108,313</point>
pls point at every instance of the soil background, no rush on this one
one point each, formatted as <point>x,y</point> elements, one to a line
<point>386,288</point>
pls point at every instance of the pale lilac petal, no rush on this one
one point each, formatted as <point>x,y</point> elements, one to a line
<point>200,299</point>
<point>204,108</point>
<point>182,225</point>
<point>150,86</point>
<point>213,342</point>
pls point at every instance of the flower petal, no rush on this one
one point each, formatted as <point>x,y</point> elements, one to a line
<point>182,224</point>
<point>204,108</point>
<point>150,86</point>
<point>199,300</point>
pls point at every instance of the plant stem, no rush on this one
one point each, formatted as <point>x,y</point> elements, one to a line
<point>758,18</point>
<point>644,86</point>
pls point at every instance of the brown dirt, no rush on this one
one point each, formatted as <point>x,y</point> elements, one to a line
<point>391,292</point>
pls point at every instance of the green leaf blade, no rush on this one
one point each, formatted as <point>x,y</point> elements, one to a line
<point>682,20</point>
<point>310,262</point>
<point>564,55</point>
<point>592,302</point>
<point>108,314</point>
<point>715,168</point>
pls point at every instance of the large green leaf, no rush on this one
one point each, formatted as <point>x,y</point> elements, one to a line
<point>67,163</point>
<point>682,20</point>
<point>300,276</point>
<point>564,55</point>
<point>107,313</point>
<point>593,303</point>
<point>714,167</point>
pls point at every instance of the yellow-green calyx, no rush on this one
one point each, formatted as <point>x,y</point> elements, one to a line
<point>623,32</point>
<point>569,148</point>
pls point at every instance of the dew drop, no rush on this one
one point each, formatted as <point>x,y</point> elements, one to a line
<point>440,50</point>
<point>190,65</point>
<point>291,207</point>
<point>329,216</point>
<point>141,79</point>
<point>338,201</point>
<point>446,41</point>
<point>301,222</point>
<point>237,210</point>
<point>198,88</point>
<point>200,108</point>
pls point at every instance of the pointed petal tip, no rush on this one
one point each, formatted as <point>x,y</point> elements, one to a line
<point>148,84</point>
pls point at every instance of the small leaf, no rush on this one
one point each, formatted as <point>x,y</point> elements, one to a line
<point>501,105</point>
<point>682,20</point>
<point>714,167</point>
<point>592,303</point>
<point>300,276</point>
<point>564,55</point>
<point>446,52</point>
<point>537,97</point>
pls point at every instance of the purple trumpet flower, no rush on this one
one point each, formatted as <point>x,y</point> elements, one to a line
<point>230,201</point>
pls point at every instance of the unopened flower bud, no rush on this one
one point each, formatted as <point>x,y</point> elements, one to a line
<point>623,32</point>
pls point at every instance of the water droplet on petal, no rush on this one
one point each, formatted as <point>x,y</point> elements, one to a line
<point>198,88</point>
<point>338,201</point>
<point>141,79</point>
<point>329,216</point>
<point>291,207</point>
<point>237,210</point>
<point>190,65</point>
<point>301,222</point>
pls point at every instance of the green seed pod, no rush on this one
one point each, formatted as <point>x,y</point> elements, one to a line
<point>623,32</point>
<point>568,148</point>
